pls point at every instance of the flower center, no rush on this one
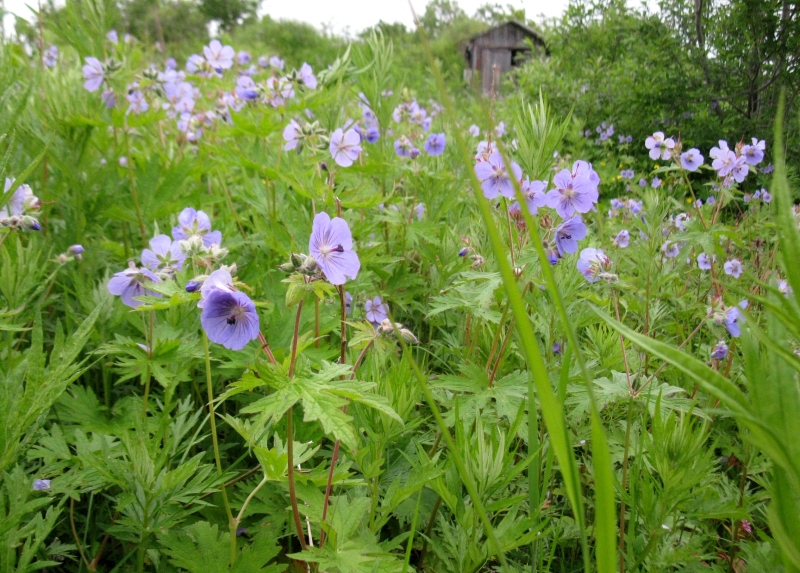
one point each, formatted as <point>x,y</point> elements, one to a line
<point>325,250</point>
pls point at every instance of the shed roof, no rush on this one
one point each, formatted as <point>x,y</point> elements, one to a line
<point>526,29</point>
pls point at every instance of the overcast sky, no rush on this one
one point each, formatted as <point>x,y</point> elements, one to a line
<point>355,15</point>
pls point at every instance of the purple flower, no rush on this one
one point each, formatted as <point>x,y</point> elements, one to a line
<point>195,63</point>
<point>535,196</point>
<point>137,101</point>
<point>171,64</point>
<point>403,146</point>
<point>720,351</point>
<point>372,134</point>
<point>739,169</point>
<point>732,317</point>
<point>331,244</point>
<point>494,178</point>
<point>230,319</point>
<point>592,262</point>
<point>733,268</point>
<point>131,283</point>
<point>76,249</point>
<point>623,239</point>
<point>704,262</point>
<point>768,169</point>
<point>219,57</point>
<point>568,234</point>
<point>193,286</point>
<point>692,160</point>
<point>670,249</point>
<point>345,146</point>
<point>307,76</point>
<point>642,182</point>
<point>474,130</point>
<point>656,183</point>
<point>754,154</point>
<point>557,348</point>
<point>377,310</point>
<point>94,74</point>
<point>435,144</point>
<point>575,192</point>
<point>724,159</point>
<point>680,221</point>
<point>246,88</point>
<point>291,134</point>
<point>41,485</point>
<point>51,57</point>
<point>766,197</point>
<point>163,252</point>
<point>109,98</point>
<point>123,161</point>
<point>659,147</point>
<point>276,62</point>
<point>243,57</point>
<point>500,129</point>
<point>419,211</point>
<point>112,36</point>
<point>220,279</point>
<point>191,223</point>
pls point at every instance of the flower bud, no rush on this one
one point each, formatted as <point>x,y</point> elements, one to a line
<point>298,260</point>
<point>287,268</point>
<point>193,286</point>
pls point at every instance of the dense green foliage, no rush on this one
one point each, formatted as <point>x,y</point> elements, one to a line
<point>515,411</point>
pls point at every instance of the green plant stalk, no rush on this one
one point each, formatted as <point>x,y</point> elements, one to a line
<point>134,193</point>
<point>215,441</point>
<point>410,544</point>
<point>290,436</point>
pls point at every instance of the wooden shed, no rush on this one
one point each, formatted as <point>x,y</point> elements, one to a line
<point>499,49</point>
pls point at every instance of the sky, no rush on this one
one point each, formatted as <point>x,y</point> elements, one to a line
<point>354,16</point>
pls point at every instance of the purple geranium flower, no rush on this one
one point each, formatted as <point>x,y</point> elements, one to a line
<point>575,192</point>
<point>692,160</point>
<point>568,234</point>
<point>276,62</point>
<point>41,485</point>
<point>331,244</point>
<point>220,279</point>
<point>345,146</point>
<point>494,178</point>
<point>230,319</point>
<point>739,169</point>
<point>592,262</point>
<point>191,223</point>
<point>246,88</point>
<point>51,57</point>
<point>670,249</point>
<point>307,76</point>
<point>474,130</point>
<point>435,144</point>
<point>291,134</point>
<point>732,317</point>
<point>163,252</point>
<point>372,134</point>
<point>131,283</point>
<point>623,239</point>
<point>754,154</point>
<point>94,74</point>
<point>243,57</point>
<point>219,57</point>
<point>720,351</point>
<point>660,148</point>
<point>137,101</point>
<point>535,196</point>
<point>112,36</point>
<point>704,262</point>
<point>733,268</point>
<point>377,310</point>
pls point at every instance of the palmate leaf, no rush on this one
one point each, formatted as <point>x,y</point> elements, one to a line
<point>202,548</point>
<point>322,395</point>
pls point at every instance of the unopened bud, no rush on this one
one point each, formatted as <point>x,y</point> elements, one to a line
<point>193,286</point>
<point>297,260</point>
<point>286,268</point>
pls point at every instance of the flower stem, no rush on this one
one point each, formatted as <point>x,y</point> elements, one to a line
<point>290,475</point>
<point>335,454</point>
<point>343,356</point>
<point>134,193</point>
<point>290,435</point>
<point>217,459</point>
